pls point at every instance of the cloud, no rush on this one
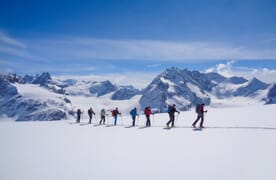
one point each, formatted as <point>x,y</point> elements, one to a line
<point>137,79</point>
<point>229,69</point>
<point>15,52</point>
<point>265,74</point>
<point>154,65</point>
<point>223,69</point>
<point>273,39</point>
<point>4,39</point>
<point>14,48</point>
<point>61,54</point>
<point>85,48</point>
<point>159,50</point>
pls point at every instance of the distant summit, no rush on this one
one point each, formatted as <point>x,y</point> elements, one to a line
<point>42,79</point>
<point>251,88</point>
<point>174,86</point>
<point>102,88</point>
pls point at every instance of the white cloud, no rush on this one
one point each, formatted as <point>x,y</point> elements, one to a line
<point>4,39</point>
<point>15,52</point>
<point>106,49</point>
<point>223,69</point>
<point>154,65</point>
<point>12,47</point>
<point>137,79</point>
<point>228,70</point>
<point>265,74</point>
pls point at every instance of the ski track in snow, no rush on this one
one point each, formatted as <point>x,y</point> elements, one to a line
<point>237,143</point>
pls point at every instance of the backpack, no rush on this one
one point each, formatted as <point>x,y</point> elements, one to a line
<point>113,112</point>
<point>169,109</point>
<point>102,112</point>
<point>131,112</point>
<point>145,111</point>
<point>197,108</point>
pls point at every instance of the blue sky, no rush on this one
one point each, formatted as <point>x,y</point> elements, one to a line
<point>122,36</point>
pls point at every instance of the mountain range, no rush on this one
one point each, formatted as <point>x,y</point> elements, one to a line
<point>182,87</point>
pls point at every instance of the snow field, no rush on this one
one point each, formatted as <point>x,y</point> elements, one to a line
<point>239,144</point>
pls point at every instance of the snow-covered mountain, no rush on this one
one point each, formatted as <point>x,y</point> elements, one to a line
<point>41,97</point>
<point>237,80</point>
<point>13,78</point>
<point>125,93</point>
<point>251,88</point>
<point>24,108</point>
<point>271,96</point>
<point>102,88</point>
<point>43,79</point>
<point>174,86</point>
<point>186,88</point>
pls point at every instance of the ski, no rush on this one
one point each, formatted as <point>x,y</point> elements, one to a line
<point>144,127</point>
<point>96,125</point>
<point>85,124</point>
<point>197,129</point>
<point>130,126</point>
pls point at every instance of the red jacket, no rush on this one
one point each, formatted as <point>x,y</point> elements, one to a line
<point>147,112</point>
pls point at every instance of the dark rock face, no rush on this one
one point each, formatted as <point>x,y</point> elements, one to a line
<point>13,78</point>
<point>42,79</point>
<point>102,88</point>
<point>124,93</point>
<point>251,88</point>
<point>237,80</point>
<point>271,96</point>
<point>6,89</point>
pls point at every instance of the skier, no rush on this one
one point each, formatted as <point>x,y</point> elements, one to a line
<point>78,115</point>
<point>90,114</point>
<point>103,114</point>
<point>171,111</point>
<point>148,112</point>
<point>133,114</point>
<point>200,115</point>
<point>115,113</point>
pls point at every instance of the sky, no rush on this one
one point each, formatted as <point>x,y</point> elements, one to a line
<point>138,37</point>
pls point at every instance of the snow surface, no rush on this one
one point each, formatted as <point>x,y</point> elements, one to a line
<point>33,91</point>
<point>104,102</point>
<point>169,83</point>
<point>196,90</point>
<point>238,143</point>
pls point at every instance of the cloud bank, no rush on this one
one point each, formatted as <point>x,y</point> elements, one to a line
<point>229,69</point>
<point>84,48</point>
<point>107,49</point>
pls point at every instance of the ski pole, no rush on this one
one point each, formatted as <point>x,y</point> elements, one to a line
<point>82,114</point>
<point>96,119</point>
<point>176,120</point>
<point>146,121</point>
<point>153,120</point>
<point>108,120</point>
<point>122,120</point>
<point>138,121</point>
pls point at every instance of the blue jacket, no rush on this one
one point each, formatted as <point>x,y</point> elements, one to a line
<point>133,112</point>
